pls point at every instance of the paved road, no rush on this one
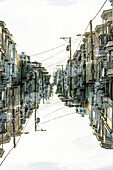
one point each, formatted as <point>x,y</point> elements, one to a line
<point>67,143</point>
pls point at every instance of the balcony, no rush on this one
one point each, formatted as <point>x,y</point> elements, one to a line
<point>103,74</point>
<point>83,81</point>
<point>109,44</point>
<point>1,66</point>
<point>110,72</point>
<point>108,101</point>
<point>109,68</point>
<point>102,52</point>
<point>82,87</point>
<point>108,105</point>
<point>77,85</point>
<point>111,29</point>
<point>3,120</point>
<point>79,73</point>
<point>90,71</point>
<point>76,65</point>
<point>2,106</point>
<point>107,143</point>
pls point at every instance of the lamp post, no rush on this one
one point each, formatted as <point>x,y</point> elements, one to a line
<point>70,67</point>
<point>62,79</point>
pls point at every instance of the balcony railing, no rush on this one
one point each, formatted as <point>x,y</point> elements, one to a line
<point>84,79</point>
<point>2,66</point>
<point>109,69</point>
<point>2,104</point>
<point>102,52</point>
<point>109,44</point>
<point>108,101</point>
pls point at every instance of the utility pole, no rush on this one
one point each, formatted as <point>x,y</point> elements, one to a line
<point>35,100</point>
<point>92,71</point>
<point>70,67</point>
<point>13,113</point>
<point>42,87</point>
<point>62,79</point>
<point>21,101</point>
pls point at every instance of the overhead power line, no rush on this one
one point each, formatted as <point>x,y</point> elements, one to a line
<point>59,62</point>
<point>53,111</point>
<point>47,50</point>
<point>99,10</point>
<point>74,39</point>
<point>52,56</point>
<point>6,156</point>
<point>62,60</point>
<point>57,118</point>
<point>50,49</point>
<point>89,24</point>
<point>53,64</point>
<point>16,144</point>
<point>50,66</point>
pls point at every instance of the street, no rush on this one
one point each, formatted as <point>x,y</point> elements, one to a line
<point>67,143</point>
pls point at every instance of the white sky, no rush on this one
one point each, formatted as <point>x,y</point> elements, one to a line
<point>37,25</point>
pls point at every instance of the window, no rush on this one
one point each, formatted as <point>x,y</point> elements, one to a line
<point>107,29</point>
<point>104,63</point>
<point>0,95</point>
<point>99,41</point>
<point>13,68</point>
<point>111,58</point>
<point>104,40</point>
<point>108,60</point>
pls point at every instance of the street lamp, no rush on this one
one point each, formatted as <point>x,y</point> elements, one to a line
<point>70,70</point>
<point>62,79</point>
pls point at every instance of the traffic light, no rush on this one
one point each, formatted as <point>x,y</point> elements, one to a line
<point>66,92</point>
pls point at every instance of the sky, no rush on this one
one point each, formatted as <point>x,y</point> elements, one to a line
<point>37,25</point>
